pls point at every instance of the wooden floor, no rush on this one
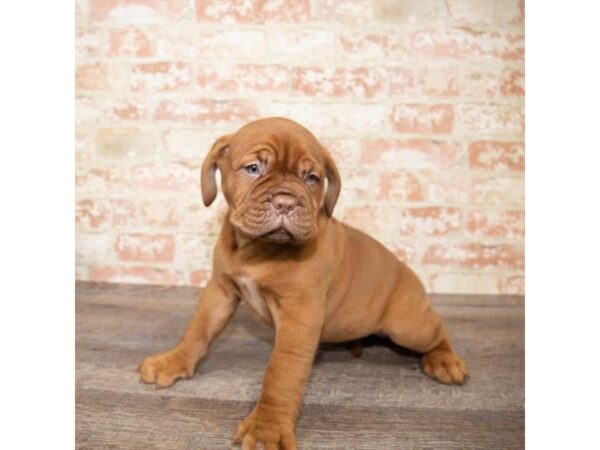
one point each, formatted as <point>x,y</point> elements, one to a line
<point>378,401</point>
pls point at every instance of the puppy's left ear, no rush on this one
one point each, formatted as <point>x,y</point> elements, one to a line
<point>334,184</point>
<point>208,182</point>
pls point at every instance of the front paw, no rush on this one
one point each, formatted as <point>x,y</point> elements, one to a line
<point>163,369</point>
<point>265,430</point>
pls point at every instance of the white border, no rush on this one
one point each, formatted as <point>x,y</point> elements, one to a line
<point>37,238</point>
<point>563,226</point>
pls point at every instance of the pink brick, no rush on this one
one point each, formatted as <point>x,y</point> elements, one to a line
<point>479,83</point>
<point>81,12</point>
<point>413,118</point>
<point>137,11</point>
<point>207,112</point>
<point>412,153</point>
<point>256,11</point>
<point>454,188</point>
<point>352,117</point>
<point>190,246</point>
<point>243,79</point>
<point>513,83</point>
<point>363,46</point>
<point>430,221</point>
<point>475,256</point>
<point>223,44</point>
<point>488,12</point>
<point>366,218</point>
<point>84,147</point>
<point>345,152</point>
<point>89,43</point>
<point>472,12</point>
<point>400,186</point>
<point>153,212</point>
<point>200,277</point>
<point>102,77</point>
<point>195,216</point>
<point>189,144</point>
<point>161,213</point>
<point>92,248</point>
<point>136,275</point>
<point>195,248</point>
<point>496,224</point>
<point>121,143</point>
<point>92,214</point>
<point>465,43</point>
<point>163,76</point>
<point>129,43</point>
<point>493,155</point>
<point>408,12</point>
<point>88,111</point>
<point>165,177</point>
<point>515,285</point>
<point>93,179</point>
<point>350,12</point>
<point>427,82</point>
<point>404,251</point>
<point>125,109</point>
<point>124,212</point>
<point>358,184</point>
<point>92,77</point>
<point>145,247</point>
<point>302,45</point>
<point>494,119</point>
<point>464,283</point>
<point>98,180</point>
<point>233,43</point>
<point>354,83</point>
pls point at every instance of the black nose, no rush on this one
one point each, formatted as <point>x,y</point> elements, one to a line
<point>284,203</point>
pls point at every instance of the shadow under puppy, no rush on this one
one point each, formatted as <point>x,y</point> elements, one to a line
<point>310,276</point>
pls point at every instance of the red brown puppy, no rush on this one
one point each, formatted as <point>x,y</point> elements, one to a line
<point>312,277</point>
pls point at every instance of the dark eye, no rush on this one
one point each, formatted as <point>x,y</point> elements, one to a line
<point>312,179</point>
<point>252,169</point>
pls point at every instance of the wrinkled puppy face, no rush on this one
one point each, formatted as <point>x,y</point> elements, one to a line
<point>276,178</point>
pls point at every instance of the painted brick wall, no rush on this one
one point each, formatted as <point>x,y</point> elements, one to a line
<point>421,103</point>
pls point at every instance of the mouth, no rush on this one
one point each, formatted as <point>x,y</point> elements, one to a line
<point>278,235</point>
<point>275,229</point>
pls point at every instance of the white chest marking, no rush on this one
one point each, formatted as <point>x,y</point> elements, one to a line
<point>253,297</point>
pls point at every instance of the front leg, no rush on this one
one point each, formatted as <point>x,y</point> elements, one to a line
<point>272,423</point>
<point>215,308</point>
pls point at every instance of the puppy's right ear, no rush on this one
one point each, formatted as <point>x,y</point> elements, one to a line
<point>208,182</point>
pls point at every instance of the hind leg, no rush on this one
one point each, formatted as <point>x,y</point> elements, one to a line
<point>443,364</point>
<point>410,322</point>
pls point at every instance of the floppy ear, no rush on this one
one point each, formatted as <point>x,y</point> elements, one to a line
<point>208,183</point>
<point>334,184</point>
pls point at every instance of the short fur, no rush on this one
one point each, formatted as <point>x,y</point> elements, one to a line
<point>312,277</point>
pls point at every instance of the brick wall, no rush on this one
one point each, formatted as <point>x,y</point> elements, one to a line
<point>421,102</point>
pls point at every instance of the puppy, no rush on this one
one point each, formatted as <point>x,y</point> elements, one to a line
<point>310,276</point>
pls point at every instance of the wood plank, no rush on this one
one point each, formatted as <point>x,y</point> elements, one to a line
<point>157,421</point>
<point>380,400</point>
